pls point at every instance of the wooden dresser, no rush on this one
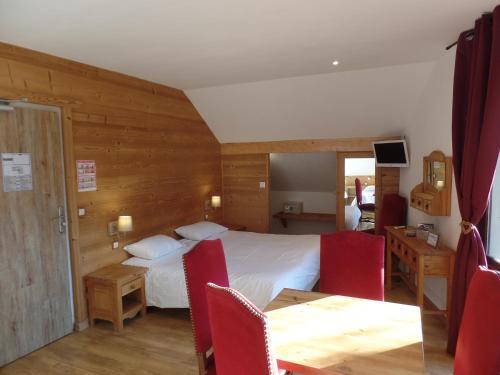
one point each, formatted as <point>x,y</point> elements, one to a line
<point>421,260</point>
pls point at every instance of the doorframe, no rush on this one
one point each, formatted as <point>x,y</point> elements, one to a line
<point>340,203</point>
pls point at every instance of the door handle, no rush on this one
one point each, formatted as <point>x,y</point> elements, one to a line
<point>62,219</point>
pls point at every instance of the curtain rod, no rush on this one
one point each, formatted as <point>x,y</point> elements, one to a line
<point>468,34</point>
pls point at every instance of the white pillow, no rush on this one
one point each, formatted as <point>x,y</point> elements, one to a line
<point>153,247</point>
<point>200,231</point>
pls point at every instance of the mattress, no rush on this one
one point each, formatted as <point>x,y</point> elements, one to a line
<point>258,265</point>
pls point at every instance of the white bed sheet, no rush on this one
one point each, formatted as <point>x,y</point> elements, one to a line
<point>259,266</point>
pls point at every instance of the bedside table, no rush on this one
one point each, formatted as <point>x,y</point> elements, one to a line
<point>236,227</point>
<point>115,293</point>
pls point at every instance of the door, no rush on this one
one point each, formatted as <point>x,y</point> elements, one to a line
<point>35,286</point>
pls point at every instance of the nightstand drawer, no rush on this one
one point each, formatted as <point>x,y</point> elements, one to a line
<point>131,286</point>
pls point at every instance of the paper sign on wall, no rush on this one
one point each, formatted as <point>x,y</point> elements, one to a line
<point>86,174</point>
<point>17,174</point>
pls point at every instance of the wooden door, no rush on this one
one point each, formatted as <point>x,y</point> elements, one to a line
<point>245,185</point>
<point>35,289</point>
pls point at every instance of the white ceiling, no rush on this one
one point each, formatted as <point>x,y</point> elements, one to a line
<point>200,43</point>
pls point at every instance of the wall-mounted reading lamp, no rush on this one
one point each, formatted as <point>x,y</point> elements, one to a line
<point>125,225</point>
<point>216,201</point>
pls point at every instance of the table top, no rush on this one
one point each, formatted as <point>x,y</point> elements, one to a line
<point>316,333</point>
<point>117,273</point>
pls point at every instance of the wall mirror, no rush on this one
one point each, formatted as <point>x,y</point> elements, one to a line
<point>433,195</point>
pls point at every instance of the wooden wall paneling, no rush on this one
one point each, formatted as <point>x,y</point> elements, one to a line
<point>156,158</point>
<point>307,145</point>
<point>244,202</point>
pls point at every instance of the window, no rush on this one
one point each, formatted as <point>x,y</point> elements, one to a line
<point>493,247</point>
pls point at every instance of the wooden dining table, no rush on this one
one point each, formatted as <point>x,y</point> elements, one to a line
<point>316,333</point>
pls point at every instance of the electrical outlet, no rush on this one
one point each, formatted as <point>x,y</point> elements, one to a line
<point>116,244</point>
<point>81,212</point>
<point>113,228</point>
<point>262,184</point>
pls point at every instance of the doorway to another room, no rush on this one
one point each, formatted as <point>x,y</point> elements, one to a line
<point>356,184</point>
<point>303,192</point>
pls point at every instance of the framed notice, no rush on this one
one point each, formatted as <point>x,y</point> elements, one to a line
<point>17,173</point>
<point>86,175</point>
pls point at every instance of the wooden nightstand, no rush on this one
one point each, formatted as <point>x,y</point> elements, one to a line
<point>115,293</point>
<point>236,227</point>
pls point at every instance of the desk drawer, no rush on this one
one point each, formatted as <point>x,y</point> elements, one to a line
<point>131,286</point>
<point>398,248</point>
<point>412,260</point>
<point>391,242</point>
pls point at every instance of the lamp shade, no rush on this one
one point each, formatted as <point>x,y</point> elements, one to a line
<point>216,201</point>
<point>125,223</point>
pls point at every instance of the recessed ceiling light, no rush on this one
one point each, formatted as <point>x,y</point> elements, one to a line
<point>335,62</point>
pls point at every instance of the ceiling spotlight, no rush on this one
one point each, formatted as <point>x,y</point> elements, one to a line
<point>335,62</point>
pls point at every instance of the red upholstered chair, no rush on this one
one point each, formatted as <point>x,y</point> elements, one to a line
<point>352,264</point>
<point>393,212</point>
<point>478,346</point>
<point>370,207</point>
<point>204,263</point>
<point>240,333</point>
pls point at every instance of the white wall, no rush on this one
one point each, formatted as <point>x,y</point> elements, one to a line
<point>428,129</point>
<point>360,103</point>
<point>318,202</point>
<point>309,171</point>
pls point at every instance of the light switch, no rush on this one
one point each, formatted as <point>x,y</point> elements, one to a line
<point>262,184</point>
<point>115,244</point>
<point>81,212</point>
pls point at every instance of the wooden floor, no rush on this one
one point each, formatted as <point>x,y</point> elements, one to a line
<point>161,343</point>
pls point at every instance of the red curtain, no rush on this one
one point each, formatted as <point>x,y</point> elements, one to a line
<point>476,143</point>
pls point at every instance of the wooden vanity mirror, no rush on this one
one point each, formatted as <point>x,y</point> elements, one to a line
<point>433,195</point>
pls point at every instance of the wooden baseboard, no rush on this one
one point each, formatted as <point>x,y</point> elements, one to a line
<point>81,326</point>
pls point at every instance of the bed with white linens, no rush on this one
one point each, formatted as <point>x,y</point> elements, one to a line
<point>258,265</point>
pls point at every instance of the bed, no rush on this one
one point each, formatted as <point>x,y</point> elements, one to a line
<point>259,266</point>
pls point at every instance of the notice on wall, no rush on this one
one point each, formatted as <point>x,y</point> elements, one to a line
<point>17,173</point>
<point>86,174</point>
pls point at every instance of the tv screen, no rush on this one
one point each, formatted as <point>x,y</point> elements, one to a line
<point>391,153</point>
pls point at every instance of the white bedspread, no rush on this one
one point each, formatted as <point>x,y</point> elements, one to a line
<point>259,266</point>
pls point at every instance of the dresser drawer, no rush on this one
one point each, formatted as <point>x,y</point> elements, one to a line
<point>131,286</point>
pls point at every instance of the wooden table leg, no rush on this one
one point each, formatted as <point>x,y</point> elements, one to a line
<point>420,282</point>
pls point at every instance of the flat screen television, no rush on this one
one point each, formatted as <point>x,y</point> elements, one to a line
<point>391,153</point>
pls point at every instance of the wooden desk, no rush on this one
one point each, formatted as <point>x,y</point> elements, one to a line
<point>422,261</point>
<point>304,216</point>
<point>316,333</point>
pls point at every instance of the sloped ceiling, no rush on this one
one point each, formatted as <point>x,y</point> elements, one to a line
<point>200,43</point>
<point>310,172</point>
<point>361,103</point>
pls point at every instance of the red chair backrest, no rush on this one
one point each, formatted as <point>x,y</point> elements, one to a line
<point>393,212</point>
<point>359,191</point>
<point>478,346</point>
<point>241,334</point>
<point>203,264</point>
<point>352,264</point>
